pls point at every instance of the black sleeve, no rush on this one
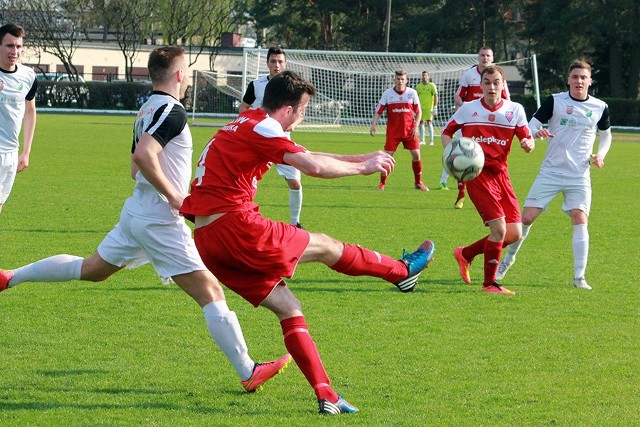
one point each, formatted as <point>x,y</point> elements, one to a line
<point>605,121</point>
<point>545,111</point>
<point>250,95</point>
<point>32,92</point>
<point>164,127</point>
<point>167,123</point>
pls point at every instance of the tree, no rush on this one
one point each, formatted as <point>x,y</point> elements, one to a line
<point>561,33</point>
<point>52,27</point>
<point>132,22</point>
<point>200,23</point>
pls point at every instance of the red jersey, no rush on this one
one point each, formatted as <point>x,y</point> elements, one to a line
<point>492,128</point>
<point>233,162</point>
<point>469,88</point>
<point>401,111</point>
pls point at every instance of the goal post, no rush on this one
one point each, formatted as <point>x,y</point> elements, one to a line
<point>349,84</point>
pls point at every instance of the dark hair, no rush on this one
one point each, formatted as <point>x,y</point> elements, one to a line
<point>492,69</point>
<point>275,51</point>
<point>579,64</point>
<point>161,62</point>
<point>13,29</point>
<point>286,88</point>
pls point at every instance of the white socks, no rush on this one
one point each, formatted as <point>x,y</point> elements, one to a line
<point>444,177</point>
<point>295,205</point>
<point>431,133</point>
<point>225,330</point>
<point>421,131</point>
<point>58,268</point>
<point>580,250</point>
<point>512,249</point>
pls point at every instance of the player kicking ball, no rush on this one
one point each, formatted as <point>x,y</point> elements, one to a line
<point>252,254</point>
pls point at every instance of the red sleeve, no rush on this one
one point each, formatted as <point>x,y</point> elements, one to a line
<point>451,128</point>
<point>380,108</point>
<point>462,91</point>
<point>523,132</point>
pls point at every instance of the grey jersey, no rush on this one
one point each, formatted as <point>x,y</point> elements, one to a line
<point>165,119</point>
<point>16,88</point>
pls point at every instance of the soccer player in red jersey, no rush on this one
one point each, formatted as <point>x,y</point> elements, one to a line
<point>470,89</point>
<point>251,254</point>
<point>403,117</point>
<point>492,122</point>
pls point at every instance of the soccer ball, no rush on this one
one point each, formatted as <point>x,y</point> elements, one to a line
<point>463,158</point>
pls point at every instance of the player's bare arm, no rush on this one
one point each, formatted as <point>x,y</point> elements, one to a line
<point>356,158</point>
<point>322,166</point>
<point>29,127</point>
<point>374,122</point>
<point>244,106</point>
<point>146,157</point>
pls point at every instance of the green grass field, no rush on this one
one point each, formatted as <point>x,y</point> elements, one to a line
<point>130,351</point>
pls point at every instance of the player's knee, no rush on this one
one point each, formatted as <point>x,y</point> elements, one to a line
<point>294,184</point>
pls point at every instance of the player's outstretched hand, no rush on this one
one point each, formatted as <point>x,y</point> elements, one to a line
<point>381,162</point>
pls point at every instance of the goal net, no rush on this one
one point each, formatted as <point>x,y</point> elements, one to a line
<point>349,84</point>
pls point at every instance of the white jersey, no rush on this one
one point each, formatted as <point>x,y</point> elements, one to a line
<point>574,124</point>
<point>255,92</point>
<point>16,87</point>
<point>165,119</point>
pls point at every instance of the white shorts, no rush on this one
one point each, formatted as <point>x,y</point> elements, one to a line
<point>136,241</point>
<point>288,172</point>
<point>575,191</point>
<point>8,170</point>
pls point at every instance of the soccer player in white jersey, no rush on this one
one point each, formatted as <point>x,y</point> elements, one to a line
<point>573,118</point>
<point>492,122</point>
<point>277,62</point>
<point>18,86</point>
<point>403,117</point>
<point>150,228</point>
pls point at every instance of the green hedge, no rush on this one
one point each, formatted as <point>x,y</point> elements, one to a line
<point>92,95</point>
<point>624,112</point>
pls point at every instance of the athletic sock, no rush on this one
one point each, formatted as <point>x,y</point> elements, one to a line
<point>300,345</point>
<point>461,187</point>
<point>359,261</point>
<point>474,249</point>
<point>295,205</point>
<point>580,250</point>
<point>417,171</point>
<point>513,248</point>
<point>444,177</point>
<point>225,330</point>
<point>421,128</point>
<point>383,179</point>
<point>58,268</point>
<point>492,252</point>
<point>431,133</point>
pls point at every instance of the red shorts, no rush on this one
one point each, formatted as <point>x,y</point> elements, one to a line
<point>249,253</point>
<point>410,143</point>
<point>494,198</point>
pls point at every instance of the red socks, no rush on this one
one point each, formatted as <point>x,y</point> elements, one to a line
<point>492,251</point>
<point>417,171</point>
<point>461,187</point>
<point>359,261</point>
<point>305,353</point>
